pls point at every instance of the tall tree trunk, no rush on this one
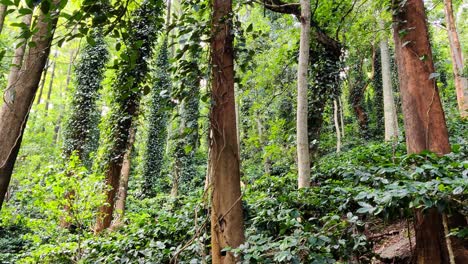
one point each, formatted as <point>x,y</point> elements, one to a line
<point>3,13</point>
<point>303,161</point>
<point>158,122</point>
<point>51,84</point>
<point>81,133</point>
<point>58,125</point>
<point>341,117</point>
<point>337,126</point>
<point>124,176</point>
<point>126,101</point>
<point>423,114</point>
<point>227,225</point>
<point>17,63</point>
<point>461,82</point>
<point>14,116</point>
<point>357,92</point>
<point>43,80</point>
<point>390,116</point>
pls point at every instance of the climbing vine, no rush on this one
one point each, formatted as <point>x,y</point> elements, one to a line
<point>81,131</point>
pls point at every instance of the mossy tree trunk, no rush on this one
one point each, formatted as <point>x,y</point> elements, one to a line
<point>127,92</point>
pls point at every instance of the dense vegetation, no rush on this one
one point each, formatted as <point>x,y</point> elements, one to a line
<point>195,131</point>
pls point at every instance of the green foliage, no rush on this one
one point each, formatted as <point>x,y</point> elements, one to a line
<point>156,139</point>
<point>81,131</point>
<point>128,86</point>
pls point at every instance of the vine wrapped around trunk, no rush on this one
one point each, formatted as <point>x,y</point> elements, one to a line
<point>81,131</point>
<point>127,92</point>
<point>157,132</point>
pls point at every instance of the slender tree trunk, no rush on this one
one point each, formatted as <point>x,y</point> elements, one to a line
<point>303,161</point>
<point>51,84</point>
<point>461,82</point>
<point>227,227</point>
<point>341,117</point>
<point>3,12</point>
<point>261,137</point>
<point>14,116</point>
<point>390,116</point>
<point>423,114</point>
<point>124,176</point>
<point>58,125</point>
<point>43,80</point>
<point>337,126</point>
<point>17,62</point>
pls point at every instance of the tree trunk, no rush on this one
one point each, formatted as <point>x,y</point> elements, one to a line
<point>337,126</point>
<point>124,176</point>
<point>14,116</point>
<point>17,62</point>
<point>51,84</point>
<point>126,101</point>
<point>461,82</point>
<point>303,162</point>
<point>341,117</point>
<point>43,80</point>
<point>261,138</point>
<point>3,13</point>
<point>423,114</point>
<point>58,125</point>
<point>390,116</point>
<point>227,225</point>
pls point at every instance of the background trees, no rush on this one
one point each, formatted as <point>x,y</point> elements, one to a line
<point>150,115</point>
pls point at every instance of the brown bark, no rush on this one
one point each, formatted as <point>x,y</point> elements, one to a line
<point>423,114</point>
<point>461,82</point>
<point>14,115</point>
<point>227,227</point>
<point>3,12</point>
<point>124,177</point>
<point>17,62</point>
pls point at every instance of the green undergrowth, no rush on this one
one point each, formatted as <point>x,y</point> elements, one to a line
<point>322,224</point>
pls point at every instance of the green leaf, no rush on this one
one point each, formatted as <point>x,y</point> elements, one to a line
<point>45,6</point>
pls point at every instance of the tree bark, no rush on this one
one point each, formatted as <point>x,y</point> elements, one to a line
<point>51,84</point>
<point>461,82</point>
<point>303,161</point>
<point>423,114</point>
<point>227,226</point>
<point>14,116</point>
<point>3,12</point>
<point>126,101</point>
<point>17,63</point>
<point>337,126</point>
<point>390,116</point>
<point>43,80</point>
<point>124,176</point>
<point>341,117</point>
